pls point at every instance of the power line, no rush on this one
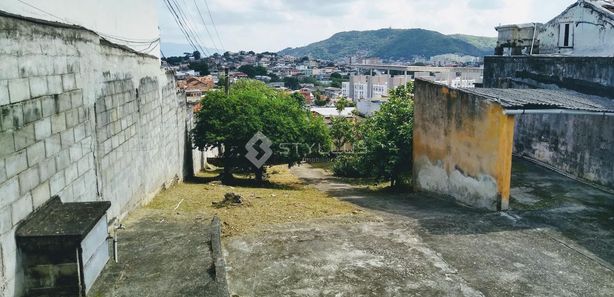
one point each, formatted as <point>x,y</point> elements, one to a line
<point>206,27</point>
<point>180,24</point>
<point>189,27</point>
<point>214,26</point>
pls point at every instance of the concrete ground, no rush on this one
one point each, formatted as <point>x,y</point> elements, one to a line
<point>160,254</point>
<point>557,241</point>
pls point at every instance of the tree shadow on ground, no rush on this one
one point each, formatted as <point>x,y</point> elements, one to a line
<point>238,181</point>
<point>587,224</point>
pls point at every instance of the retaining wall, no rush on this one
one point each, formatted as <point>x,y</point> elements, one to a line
<point>83,119</point>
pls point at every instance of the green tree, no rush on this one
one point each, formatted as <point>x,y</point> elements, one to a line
<point>196,55</point>
<point>221,81</point>
<point>274,77</point>
<point>385,141</point>
<point>174,60</point>
<point>253,71</point>
<point>292,83</point>
<point>341,131</point>
<point>251,107</point>
<point>320,100</point>
<point>336,75</point>
<point>343,103</point>
<point>337,80</point>
<point>388,135</point>
<point>298,97</point>
<point>201,67</point>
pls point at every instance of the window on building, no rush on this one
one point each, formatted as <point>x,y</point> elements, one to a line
<point>566,35</point>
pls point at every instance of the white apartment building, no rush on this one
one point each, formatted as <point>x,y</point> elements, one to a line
<point>371,87</point>
<point>361,90</point>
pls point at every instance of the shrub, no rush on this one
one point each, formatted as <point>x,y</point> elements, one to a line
<point>349,166</point>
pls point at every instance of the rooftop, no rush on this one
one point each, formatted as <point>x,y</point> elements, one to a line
<point>527,99</point>
<point>332,111</point>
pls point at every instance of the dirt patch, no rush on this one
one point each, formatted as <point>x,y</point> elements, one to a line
<point>284,198</point>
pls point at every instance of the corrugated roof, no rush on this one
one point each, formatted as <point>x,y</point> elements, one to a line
<point>545,99</point>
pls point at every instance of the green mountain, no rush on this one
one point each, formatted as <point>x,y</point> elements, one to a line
<point>394,44</point>
<point>484,43</point>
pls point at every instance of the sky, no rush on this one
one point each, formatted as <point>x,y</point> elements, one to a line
<point>272,25</point>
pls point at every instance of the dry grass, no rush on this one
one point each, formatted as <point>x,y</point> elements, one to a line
<point>283,199</point>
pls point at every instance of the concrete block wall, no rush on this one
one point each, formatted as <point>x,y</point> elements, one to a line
<point>83,119</point>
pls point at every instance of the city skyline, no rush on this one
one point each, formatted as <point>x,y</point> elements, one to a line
<point>272,25</point>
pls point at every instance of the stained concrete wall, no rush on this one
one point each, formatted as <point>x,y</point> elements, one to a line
<point>588,75</point>
<point>462,146</point>
<point>581,146</point>
<point>83,119</point>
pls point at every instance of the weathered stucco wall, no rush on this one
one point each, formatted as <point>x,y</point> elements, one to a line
<point>462,146</point>
<point>83,119</point>
<point>580,145</point>
<point>588,75</point>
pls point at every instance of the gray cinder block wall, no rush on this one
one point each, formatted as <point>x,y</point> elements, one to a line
<point>579,145</point>
<point>81,118</point>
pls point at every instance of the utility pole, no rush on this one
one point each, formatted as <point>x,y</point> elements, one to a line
<point>227,82</point>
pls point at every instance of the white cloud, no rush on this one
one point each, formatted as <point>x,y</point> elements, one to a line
<point>275,24</point>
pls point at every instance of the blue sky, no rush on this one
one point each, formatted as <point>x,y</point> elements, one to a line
<point>272,25</point>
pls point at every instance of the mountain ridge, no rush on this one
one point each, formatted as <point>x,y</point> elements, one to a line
<point>394,44</point>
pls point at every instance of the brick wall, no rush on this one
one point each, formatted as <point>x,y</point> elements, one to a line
<point>83,119</point>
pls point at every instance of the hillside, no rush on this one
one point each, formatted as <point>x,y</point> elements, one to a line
<point>395,44</point>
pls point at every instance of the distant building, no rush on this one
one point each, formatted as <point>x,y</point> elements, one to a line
<point>308,95</point>
<point>371,61</point>
<point>332,93</point>
<point>586,28</point>
<point>371,87</point>
<point>329,112</point>
<point>181,75</point>
<point>345,89</point>
<point>276,85</point>
<point>368,107</point>
<point>263,78</point>
<point>195,87</point>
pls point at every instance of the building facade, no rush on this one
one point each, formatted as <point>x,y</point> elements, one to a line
<point>586,28</point>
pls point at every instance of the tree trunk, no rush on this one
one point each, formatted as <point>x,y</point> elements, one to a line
<point>226,175</point>
<point>259,174</point>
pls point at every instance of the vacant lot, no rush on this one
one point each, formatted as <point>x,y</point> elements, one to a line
<point>427,245</point>
<point>283,198</point>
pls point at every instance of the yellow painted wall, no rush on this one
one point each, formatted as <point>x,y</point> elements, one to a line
<point>462,146</point>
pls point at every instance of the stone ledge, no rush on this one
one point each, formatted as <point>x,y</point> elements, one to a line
<point>219,264</point>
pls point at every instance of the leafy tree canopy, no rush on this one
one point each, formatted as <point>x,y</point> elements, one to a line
<point>385,140</point>
<point>292,83</point>
<point>341,131</point>
<point>201,66</point>
<point>253,71</point>
<point>251,107</point>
